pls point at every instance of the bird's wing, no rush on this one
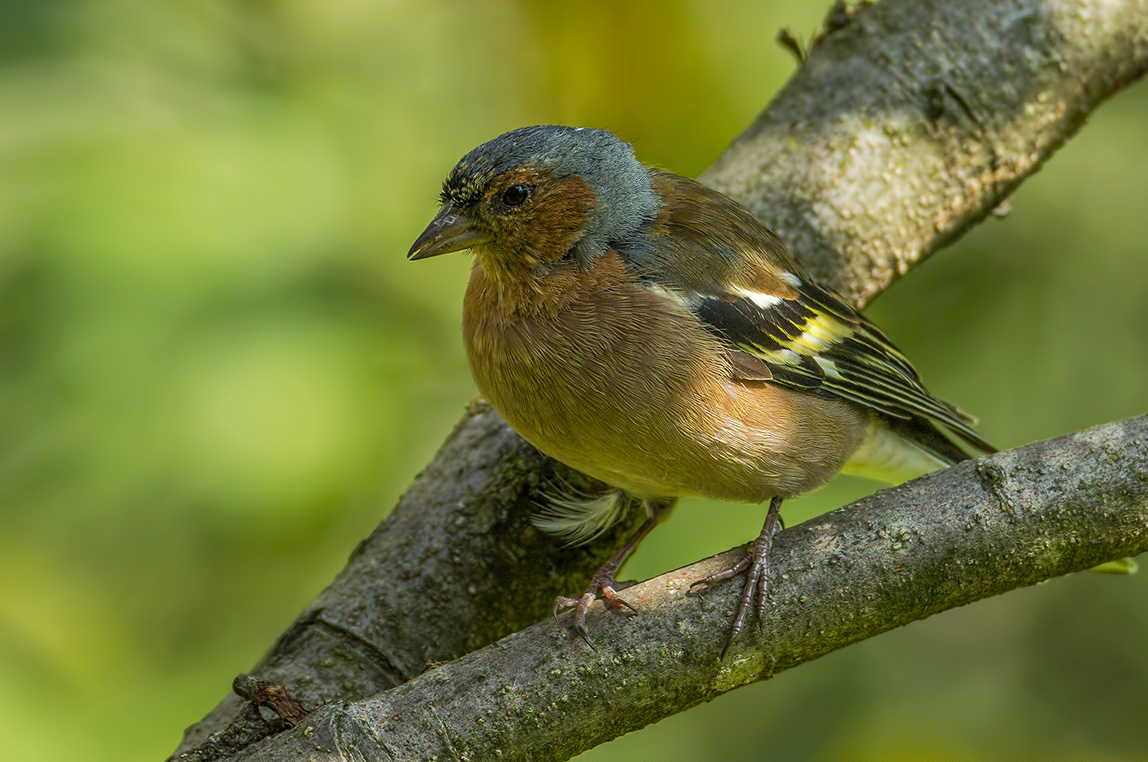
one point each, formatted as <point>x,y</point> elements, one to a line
<point>816,341</point>
<point>781,325</point>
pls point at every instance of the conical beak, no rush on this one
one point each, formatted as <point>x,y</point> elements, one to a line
<point>449,231</point>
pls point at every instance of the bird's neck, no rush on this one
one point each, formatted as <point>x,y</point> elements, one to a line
<point>508,286</point>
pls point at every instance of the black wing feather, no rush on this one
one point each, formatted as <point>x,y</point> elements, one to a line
<point>818,342</point>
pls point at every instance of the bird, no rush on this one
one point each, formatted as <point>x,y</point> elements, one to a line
<point>650,332</point>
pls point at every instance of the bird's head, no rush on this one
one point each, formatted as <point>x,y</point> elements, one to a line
<point>540,194</point>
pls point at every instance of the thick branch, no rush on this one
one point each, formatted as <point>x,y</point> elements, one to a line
<point>979,529</point>
<point>899,133</point>
<point>907,127</point>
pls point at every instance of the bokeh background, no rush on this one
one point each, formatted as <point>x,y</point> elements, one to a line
<point>218,372</point>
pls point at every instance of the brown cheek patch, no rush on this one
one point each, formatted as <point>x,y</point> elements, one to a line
<point>553,220</point>
<point>558,216</point>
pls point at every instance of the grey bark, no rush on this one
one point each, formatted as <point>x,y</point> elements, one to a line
<point>979,529</point>
<point>900,132</point>
<point>907,127</point>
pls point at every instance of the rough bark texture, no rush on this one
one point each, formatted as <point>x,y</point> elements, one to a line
<point>908,126</point>
<point>981,528</point>
<point>900,132</point>
<point>455,566</point>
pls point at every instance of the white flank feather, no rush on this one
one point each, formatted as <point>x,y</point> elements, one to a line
<point>577,519</point>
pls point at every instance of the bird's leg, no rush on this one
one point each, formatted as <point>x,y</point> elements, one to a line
<point>756,566</point>
<point>605,580</point>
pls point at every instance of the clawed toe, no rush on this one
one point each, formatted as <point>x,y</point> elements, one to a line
<point>603,582</point>
<point>607,587</point>
<point>610,594</point>
<point>755,564</point>
<point>724,574</point>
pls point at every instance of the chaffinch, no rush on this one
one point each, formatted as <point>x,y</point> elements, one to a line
<point>652,333</point>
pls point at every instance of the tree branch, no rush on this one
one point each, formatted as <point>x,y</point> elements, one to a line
<point>975,530</point>
<point>907,127</point>
<point>898,134</point>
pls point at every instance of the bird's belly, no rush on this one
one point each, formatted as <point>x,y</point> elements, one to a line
<point>585,385</point>
<point>694,433</point>
<point>589,419</point>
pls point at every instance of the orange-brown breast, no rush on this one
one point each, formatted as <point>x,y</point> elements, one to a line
<point>629,387</point>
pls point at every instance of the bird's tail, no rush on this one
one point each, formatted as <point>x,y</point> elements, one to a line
<point>899,449</point>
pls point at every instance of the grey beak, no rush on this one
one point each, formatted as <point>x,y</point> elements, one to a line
<point>449,231</point>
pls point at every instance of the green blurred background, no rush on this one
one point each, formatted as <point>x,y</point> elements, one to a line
<point>218,372</point>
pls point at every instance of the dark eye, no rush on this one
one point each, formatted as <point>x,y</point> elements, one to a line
<point>516,195</point>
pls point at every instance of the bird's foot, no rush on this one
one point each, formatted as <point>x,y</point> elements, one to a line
<point>755,564</point>
<point>602,582</point>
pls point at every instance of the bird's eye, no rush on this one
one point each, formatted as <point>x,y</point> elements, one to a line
<point>516,195</point>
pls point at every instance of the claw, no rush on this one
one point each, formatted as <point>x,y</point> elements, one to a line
<point>561,603</point>
<point>756,565</point>
<point>603,582</point>
<point>611,596</point>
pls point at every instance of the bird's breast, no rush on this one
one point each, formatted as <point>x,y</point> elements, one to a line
<point>627,386</point>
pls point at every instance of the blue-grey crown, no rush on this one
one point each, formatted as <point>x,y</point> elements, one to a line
<point>626,200</point>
